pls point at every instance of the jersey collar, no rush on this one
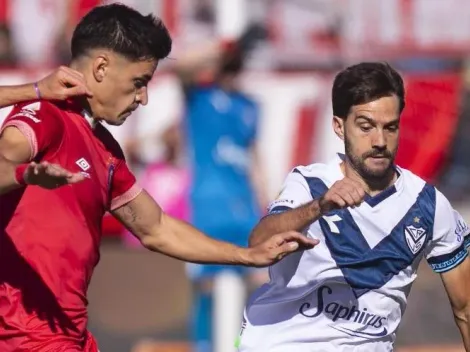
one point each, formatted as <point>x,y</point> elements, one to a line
<point>91,121</point>
<point>378,198</point>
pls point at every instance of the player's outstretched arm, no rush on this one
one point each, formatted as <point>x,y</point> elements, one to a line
<point>61,84</point>
<point>162,233</point>
<point>457,285</point>
<point>344,193</point>
<point>15,171</point>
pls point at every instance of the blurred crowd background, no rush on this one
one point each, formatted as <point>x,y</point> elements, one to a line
<point>140,301</point>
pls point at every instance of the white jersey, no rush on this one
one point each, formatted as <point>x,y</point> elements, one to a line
<point>349,293</point>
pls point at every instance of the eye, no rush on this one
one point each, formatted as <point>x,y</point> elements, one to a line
<point>365,128</point>
<point>392,128</point>
<point>139,84</point>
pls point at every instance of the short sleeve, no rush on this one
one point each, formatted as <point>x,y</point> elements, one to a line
<point>39,123</point>
<point>294,193</point>
<point>447,248</point>
<point>124,187</point>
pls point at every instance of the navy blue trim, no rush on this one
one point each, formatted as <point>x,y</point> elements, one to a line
<point>365,268</point>
<point>378,198</point>
<point>446,262</point>
<point>279,209</point>
<point>467,241</point>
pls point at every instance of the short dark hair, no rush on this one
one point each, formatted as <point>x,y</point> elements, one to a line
<point>123,30</point>
<point>363,83</point>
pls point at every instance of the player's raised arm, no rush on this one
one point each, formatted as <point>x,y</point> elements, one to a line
<point>61,84</point>
<point>295,208</point>
<point>162,233</point>
<point>192,63</point>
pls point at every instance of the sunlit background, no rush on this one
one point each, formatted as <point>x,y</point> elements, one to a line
<point>140,301</point>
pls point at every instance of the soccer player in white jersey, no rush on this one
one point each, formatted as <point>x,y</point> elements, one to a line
<point>375,222</point>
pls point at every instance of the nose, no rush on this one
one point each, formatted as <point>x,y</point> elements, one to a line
<point>379,140</point>
<point>142,96</point>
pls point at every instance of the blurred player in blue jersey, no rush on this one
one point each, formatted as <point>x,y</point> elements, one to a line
<point>375,222</point>
<point>227,194</point>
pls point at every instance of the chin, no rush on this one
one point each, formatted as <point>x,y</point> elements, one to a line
<point>117,122</point>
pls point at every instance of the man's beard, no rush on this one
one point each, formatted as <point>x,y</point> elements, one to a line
<point>359,163</point>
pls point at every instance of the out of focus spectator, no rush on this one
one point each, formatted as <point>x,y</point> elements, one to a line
<point>7,56</point>
<point>455,180</point>
<point>227,190</point>
<point>35,25</point>
<point>167,181</point>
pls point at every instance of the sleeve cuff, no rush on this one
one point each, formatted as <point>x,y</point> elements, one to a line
<point>126,197</point>
<point>28,132</point>
<point>446,262</point>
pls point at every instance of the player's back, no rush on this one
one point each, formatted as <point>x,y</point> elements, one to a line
<point>49,239</point>
<point>221,128</point>
<point>350,291</point>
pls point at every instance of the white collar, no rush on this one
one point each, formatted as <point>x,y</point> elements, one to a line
<point>91,121</point>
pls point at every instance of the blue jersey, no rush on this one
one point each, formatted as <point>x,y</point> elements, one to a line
<point>221,128</point>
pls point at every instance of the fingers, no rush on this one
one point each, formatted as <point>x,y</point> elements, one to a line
<point>76,178</point>
<point>73,81</point>
<point>77,91</point>
<point>290,242</point>
<point>295,237</point>
<point>51,176</point>
<point>344,193</point>
<point>63,83</point>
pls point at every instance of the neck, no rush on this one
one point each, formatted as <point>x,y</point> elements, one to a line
<point>85,102</point>
<point>372,186</point>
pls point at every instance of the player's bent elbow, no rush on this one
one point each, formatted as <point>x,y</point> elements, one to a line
<point>462,314</point>
<point>156,237</point>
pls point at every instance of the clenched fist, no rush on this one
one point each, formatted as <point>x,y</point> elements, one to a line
<point>343,194</point>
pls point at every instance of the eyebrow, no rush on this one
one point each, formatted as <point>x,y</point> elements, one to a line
<point>372,122</point>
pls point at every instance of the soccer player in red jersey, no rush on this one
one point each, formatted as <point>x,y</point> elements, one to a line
<point>61,170</point>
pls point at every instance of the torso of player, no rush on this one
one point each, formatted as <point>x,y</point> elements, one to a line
<point>352,287</point>
<point>81,150</point>
<point>50,239</point>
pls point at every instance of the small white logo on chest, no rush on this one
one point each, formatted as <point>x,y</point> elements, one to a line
<point>83,164</point>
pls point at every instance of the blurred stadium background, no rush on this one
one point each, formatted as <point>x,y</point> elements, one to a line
<point>289,73</point>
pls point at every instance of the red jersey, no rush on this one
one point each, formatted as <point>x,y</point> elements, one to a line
<point>49,239</point>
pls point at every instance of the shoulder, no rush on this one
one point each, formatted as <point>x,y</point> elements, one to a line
<point>318,171</point>
<point>312,178</point>
<point>411,179</point>
<point>428,195</point>
<point>36,109</point>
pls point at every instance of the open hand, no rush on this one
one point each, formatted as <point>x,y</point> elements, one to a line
<point>50,176</point>
<point>277,247</point>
